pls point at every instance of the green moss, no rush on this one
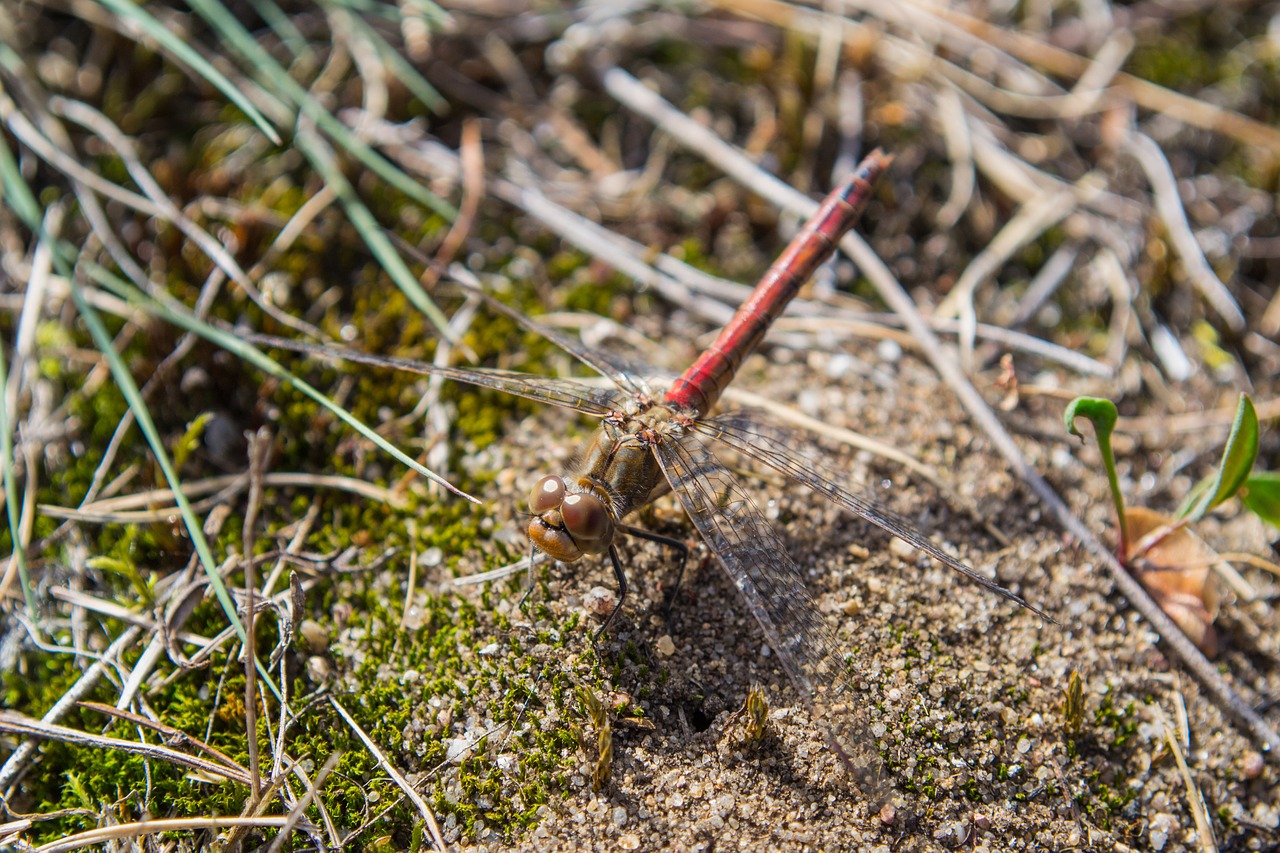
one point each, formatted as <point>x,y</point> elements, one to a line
<point>1175,62</point>
<point>1121,723</point>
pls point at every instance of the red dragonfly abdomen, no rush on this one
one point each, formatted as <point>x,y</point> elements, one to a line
<point>701,385</point>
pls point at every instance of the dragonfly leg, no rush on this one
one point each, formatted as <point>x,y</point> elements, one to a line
<point>675,544</point>
<point>622,590</point>
<point>533,580</point>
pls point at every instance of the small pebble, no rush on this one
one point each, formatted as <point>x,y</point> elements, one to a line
<point>599,601</point>
<point>456,749</point>
<point>888,814</point>
<point>901,549</point>
<point>318,668</point>
<point>666,646</point>
<point>315,636</point>
<point>947,833</point>
<point>1158,833</point>
<point>1253,765</point>
<point>887,350</point>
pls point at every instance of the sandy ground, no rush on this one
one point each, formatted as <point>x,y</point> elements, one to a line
<point>969,687</point>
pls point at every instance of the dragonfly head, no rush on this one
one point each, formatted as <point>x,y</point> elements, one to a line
<point>568,525</point>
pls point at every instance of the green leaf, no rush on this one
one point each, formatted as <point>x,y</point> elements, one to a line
<point>1261,494</point>
<point>1237,459</point>
<point>1100,411</point>
<point>1198,493</point>
<point>1103,414</point>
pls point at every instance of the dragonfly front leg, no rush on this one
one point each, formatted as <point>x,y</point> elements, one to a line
<point>533,579</point>
<point>621,577</point>
<point>676,544</point>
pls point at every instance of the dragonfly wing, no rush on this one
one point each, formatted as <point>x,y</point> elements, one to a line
<point>565,393</point>
<point>756,560</point>
<point>746,433</point>
<point>598,361</point>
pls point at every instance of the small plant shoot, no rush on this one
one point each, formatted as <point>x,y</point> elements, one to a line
<point>1172,562</point>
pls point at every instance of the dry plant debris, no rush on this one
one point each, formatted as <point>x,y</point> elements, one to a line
<point>1083,202</point>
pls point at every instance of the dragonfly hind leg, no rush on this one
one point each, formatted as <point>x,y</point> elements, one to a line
<point>675,544</point>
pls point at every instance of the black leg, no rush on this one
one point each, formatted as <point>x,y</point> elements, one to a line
<point>676,544</point>
<point>528,590</point>
<point>621,577</point>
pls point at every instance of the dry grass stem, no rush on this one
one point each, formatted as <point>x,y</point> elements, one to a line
<point>147,828</point>
<point>22,726</point>
<point>396,776</point>
<point>1053,224</point>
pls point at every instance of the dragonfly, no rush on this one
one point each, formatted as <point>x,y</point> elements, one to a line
<point>652,442</point>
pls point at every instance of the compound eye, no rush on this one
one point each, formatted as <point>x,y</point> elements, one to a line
<point>586,518</point>
<point>547,494</point>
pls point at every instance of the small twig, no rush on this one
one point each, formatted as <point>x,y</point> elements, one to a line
<point>17,759</point>
<point>299,810</point>
<point>471,156</point>
<point>1123,291</point>
<point>170,733</point>
<point>259,453</point>
<point>76,598</point>
<point>523,564</point>
<point>955,131</point>
<point>396,776</point>
<point>795,417</point>
<point>160,205</point>
<point>1165,188</point>
<point>14,723</point>
<point>117,510</point>
<point>1144,93</point>
<point>1045,283</point>
<point>138,674</point>
<point>1195,421</point>
<point>1033,219</point>
<point>105,834</point>
<point>1195,799</point>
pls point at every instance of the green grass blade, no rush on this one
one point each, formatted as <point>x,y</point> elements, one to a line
<point>1237,459</point>
<point>178,316</point>
<point>19,198</point>
<point>1103,415</point>
<point>372,233</point>
<point>188,56</point>
<point>276,77</point>
<point>17,195</point>
<point>11,494</point>
<point>400,67</point>
<point>124,381</point>
<point>282,25</point>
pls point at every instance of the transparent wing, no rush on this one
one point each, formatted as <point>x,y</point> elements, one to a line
<point>773,587</point>
<point>566,393</point>
<point>621,375</point>
<point>746,433</point>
